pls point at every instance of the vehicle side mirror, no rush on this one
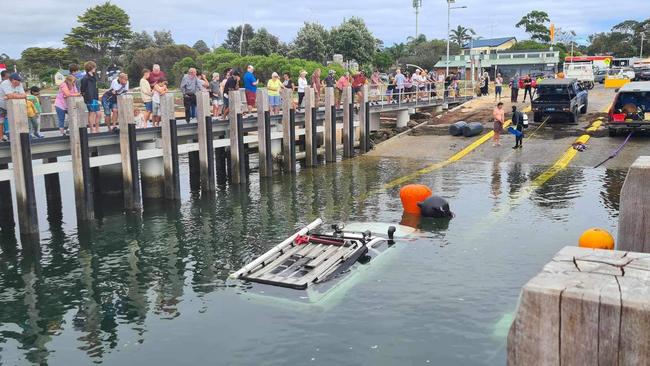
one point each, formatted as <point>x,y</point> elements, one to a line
<point>616,90</point>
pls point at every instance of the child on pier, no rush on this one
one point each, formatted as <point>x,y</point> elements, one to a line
<point>159,89</point>
<point>34,112</point>
<point>138,118</point>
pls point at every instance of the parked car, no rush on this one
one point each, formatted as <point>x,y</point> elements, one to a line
<point>599,76</point>
<point>621,73</point>
<point>583,72</point>
<point>560,97</point>
<point>630,109</point>
<point>642,74</point>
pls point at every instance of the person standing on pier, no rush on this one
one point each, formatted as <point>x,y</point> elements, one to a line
<point>90,92</point>
<point>159,89</point>
<point>499,116</point>
<point>358,81</point>
<point>400,80</point>
<point>250,84</point>
<point>190,85</point>
<point>119,86</point>
<point>232,83</point>
<point>156,74</point>
<point>341,85</point>
<point>67,89</point>
<point>215,94</point>
<point>288,84</point>
<point>34,111</point>
<point>146,93</point>
<point>11,88</point>
<point>274,86</point>
<point>315,83</point>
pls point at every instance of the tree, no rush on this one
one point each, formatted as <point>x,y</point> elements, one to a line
<point>534,24</point>
<point>163,38</point>
<point>426,54</point>
<point>39,58</point>
<point>235,35</point>
<point>166,57</point>
<point>383,60</point>
<point>201,47</point>
<point>263,43</point>
<point>398,51</point>
<point>614,43</point>
<point>311,43</point>
<point>103,32</point>
<point>461,35</point>
<point>353,40</point>
<point>140,41</point>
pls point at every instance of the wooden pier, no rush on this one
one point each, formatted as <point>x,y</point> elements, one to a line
<point>144,163</point>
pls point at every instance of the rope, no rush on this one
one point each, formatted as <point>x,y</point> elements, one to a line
<point>537,129</point>
<point>618,150</point>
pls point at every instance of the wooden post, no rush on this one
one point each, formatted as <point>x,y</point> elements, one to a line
<point>83,187</point>
<point>52,184</point>
<point>634,212</point>
<point>170,148</point>
<point>6,204</point>
<point>348,123</point>
<point>129,154</point>
<point>311,138</point>
<point>221,165</point>
<point>330,126</point>
<point>264,133</point>
<point>237,148</point>
<point>21,157</point>
<point>206,139</point>
<point>586,307</point>
<point>48,118</point>
<point>364,121</point>
<point>288,131</point>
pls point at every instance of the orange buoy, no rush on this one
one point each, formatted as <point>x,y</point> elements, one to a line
<point>411,195</point>
<point>596,238</point>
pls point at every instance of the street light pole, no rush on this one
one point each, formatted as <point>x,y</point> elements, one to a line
<point>449,8</point>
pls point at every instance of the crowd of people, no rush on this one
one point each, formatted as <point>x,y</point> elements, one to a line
<point>395,88</point>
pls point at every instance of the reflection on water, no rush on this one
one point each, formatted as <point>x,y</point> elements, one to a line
<point>149,288</point>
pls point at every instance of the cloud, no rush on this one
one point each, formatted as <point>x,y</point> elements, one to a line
<point>45,22</point>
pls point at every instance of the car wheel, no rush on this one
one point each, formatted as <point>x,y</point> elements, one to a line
<point>583,110</point>
<point>537,117</point>
<point>573,117</point>
<point>612,132</point>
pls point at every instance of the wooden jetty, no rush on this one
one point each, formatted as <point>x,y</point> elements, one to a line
<point>144,163</point>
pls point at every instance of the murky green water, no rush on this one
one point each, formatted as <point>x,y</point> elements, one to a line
<point>152,290</point>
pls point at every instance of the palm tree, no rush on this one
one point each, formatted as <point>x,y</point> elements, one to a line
<point>460,35</point>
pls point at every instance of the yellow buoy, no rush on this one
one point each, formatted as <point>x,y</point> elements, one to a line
<point>596,238</point>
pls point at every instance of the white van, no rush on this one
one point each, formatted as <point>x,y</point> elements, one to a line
<point>581,71</point>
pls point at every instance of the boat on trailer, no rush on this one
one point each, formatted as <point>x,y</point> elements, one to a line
<point>311,258</point>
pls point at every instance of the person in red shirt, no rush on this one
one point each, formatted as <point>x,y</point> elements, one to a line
<point>341,84</point>
<point>156,74</point>
<point>315,84</point>
<point>358,81</point>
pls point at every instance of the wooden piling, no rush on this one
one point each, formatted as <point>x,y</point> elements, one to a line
<point>311,138</point>
<point>21,158</point>
<point>221,165</point>
<point>634,212</point>
<point>264,133</point>
<point>52,183</point>
<point>129,154</point>
<point>364,121</point>
<point>206,139</point>
<point>6,204</point>
<point>288,131</point>
<point>237,148</point>
<point>330,126</point>
<point>586,307</point>
<point>348,123</point>
<point>83,187</point>
<point>170,148</point>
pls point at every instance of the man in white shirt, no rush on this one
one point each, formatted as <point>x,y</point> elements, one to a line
<point>9,89</point>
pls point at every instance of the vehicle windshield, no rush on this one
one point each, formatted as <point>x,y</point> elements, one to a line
<point>553,92</point>
<point>632,102</point>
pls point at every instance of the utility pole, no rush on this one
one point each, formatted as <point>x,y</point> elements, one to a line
<point>417,4</point>
<point>449,8</point>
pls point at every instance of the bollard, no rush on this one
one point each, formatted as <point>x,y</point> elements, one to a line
<point>264,133</point>
<point>129,154</point>
<point>83,187</point>
<point>311,142</point>
<point>364,121</point>
<point>348,123</point>
<point>237,148</point>
<point>206,141</point>
<point>330,126</point>
<point>170,148</point>
<point>21,158</point>
<point>634,216</point>
<point>288,131</point>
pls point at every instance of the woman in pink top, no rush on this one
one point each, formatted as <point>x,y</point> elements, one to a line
<point>499,116</point>
<point>66,89</point>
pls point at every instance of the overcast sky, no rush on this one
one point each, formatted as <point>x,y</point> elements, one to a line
<point>44,22</point>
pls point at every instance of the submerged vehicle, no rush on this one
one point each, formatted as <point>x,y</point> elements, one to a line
<point>311,263</point>
<point>560,97</point>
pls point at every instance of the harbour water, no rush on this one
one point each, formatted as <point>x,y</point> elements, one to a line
<point>152,288</point>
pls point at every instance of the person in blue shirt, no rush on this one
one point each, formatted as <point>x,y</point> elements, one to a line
<point>250,84</point>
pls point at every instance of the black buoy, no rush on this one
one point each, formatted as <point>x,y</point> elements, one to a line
<point>435,206</point>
